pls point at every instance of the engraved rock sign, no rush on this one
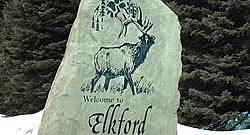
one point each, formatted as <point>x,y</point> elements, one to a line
<point>120,72</point>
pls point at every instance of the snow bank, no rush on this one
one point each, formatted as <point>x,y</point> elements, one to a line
<point>20,125</point>
<point>185,130</point>
<point>29,124</point>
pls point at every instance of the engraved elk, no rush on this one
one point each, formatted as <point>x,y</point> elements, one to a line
<point>123,60</point>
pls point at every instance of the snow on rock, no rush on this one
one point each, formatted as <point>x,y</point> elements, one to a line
<point>29,124</point>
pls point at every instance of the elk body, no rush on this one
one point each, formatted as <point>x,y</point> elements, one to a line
<point>112,62</point>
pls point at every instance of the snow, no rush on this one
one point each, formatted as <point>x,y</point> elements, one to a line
<point>29,125</point>
<point>20,125</point>
<point>185,130</point>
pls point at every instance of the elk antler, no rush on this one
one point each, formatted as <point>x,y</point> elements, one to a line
<point>133,14</point>
<point>145,26</point>
<point>129,13</point>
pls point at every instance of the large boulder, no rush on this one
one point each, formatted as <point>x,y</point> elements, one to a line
<point>120,72</point>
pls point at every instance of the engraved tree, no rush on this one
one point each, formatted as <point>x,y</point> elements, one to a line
<point>123,10</point>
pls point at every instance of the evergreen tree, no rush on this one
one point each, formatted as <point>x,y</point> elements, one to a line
<point>215,37</point>
<point>215,81</point>
<point>34,39</point>
<point>1,8</point>
<point>2,73</point>
<point>1,17</point>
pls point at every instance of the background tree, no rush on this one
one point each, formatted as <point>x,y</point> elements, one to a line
<point>215,81</point>
<point>34,38</point>
<point>2,72</point>
<point>215,37</point>
<point>1,8</point>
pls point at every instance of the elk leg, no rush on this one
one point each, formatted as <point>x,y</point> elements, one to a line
<point>94,81</point>
<point>106,84</point>
<point>130,81</point>
<point>125,83</point>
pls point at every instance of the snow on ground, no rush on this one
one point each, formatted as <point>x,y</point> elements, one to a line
<point>185,130</point>
<point>20,125</point>
<point>29,124</point>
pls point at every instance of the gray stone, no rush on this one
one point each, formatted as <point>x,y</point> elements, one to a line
<point>120,72</point>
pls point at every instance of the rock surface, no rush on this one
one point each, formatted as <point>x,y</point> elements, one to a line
<point>120,72</point>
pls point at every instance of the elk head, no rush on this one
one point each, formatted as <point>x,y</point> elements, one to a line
<point>147,39</point>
